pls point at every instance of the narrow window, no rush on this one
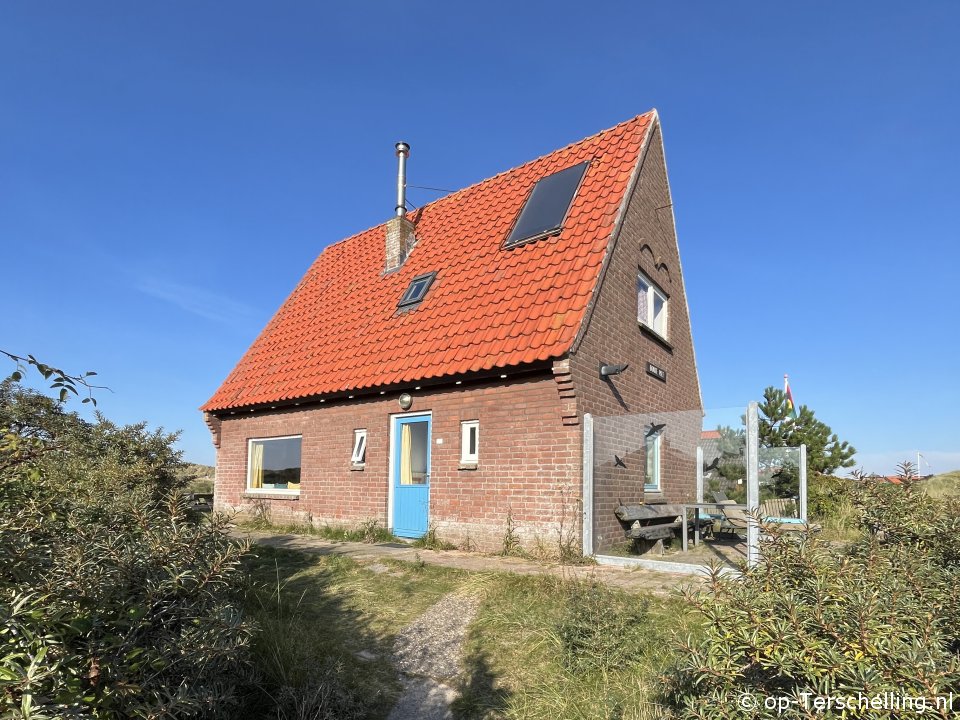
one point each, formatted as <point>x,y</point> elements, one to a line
<point>546,208</point>
<point>470,442</point>
<point>651,481</point>
<point>651,306</point>
<point>417,290</point>
<point>274,463</point>
<point>359,456</point>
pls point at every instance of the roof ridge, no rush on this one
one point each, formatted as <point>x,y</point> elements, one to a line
<point>652,112</point>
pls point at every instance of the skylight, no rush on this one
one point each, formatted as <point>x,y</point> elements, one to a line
<point>417,290</point>
<point>547,206</point>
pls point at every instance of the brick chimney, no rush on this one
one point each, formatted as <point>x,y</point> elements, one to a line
<point>399,237</point>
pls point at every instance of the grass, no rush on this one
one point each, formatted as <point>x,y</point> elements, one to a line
<point>368,531</point>
<point>943,485</point>
<point>328,624</point>
<point>841,526</point>
<point>540,647</point>
<point>432,541</point>
<point>543,647</point>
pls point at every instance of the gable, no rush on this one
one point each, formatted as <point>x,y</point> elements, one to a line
<point>488,307</point>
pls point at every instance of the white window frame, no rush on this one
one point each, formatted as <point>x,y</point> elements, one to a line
<point>273,491</point>
<point>657,445</point>
<point>359,454</point>
<point>466,458</point>
<point>653,292</point>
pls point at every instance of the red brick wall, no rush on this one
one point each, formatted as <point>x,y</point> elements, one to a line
<point>529,462</point>
<point>647,242</point>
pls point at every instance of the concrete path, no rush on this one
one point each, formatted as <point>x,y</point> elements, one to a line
<point>634,580</point>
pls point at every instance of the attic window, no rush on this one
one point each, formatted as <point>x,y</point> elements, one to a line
<point>417,290</point>
<point>546,208</point>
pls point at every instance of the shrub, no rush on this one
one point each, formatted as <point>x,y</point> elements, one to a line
<point>828,497</point>
<point>880,616</point>
<point>116,601</point>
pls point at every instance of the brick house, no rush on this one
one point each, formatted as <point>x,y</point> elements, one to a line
<point>434,371</point>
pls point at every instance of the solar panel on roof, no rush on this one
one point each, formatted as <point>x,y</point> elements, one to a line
<point>547,205</point>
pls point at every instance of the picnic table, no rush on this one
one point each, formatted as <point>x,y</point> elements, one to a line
<point>696,523</point>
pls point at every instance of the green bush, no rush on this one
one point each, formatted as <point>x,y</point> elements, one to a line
<point>828,497</point>
<point>116,601</point>
<point>882,615</point>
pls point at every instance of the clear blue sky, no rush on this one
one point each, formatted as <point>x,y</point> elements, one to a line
<point>169,170</point>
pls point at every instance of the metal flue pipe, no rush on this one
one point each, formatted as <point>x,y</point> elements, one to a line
<point>403,152</point>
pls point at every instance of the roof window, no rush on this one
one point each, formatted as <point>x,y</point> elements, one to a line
<point>417,290</point>
<point>546,208</point>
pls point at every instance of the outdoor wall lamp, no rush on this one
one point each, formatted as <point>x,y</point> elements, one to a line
<point>608,370</point>
<point>406,401</point>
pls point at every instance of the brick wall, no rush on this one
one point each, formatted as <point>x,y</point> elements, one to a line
<point>647,242</point>
<point>529,467</point>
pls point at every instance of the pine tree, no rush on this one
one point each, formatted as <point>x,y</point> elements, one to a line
<point>778,428</point>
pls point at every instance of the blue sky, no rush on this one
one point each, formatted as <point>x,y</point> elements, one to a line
<point>169,170</point>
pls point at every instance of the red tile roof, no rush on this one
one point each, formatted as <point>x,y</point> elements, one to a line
<point>488,307</point>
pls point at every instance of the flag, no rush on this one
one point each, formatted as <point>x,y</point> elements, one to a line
<point>791,405</point>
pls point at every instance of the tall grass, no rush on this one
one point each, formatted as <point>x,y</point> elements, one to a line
<point>545,647</point>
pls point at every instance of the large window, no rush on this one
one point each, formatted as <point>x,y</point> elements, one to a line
<point>651,306</point>
<point>651,481</point>
<point>274,464</point>
<point>470,442</point>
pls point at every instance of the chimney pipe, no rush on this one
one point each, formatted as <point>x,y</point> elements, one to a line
<point>403,152</point>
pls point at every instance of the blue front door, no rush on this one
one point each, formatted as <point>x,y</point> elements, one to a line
<point>411,475</point>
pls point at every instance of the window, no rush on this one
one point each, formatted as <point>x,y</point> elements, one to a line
<point>469,442</point>
<point>651,306</point>
<point>651,480</point>
<point>359,456</point>
<point>274,463</point>
<point>417,289</point>
<point>547,206</point>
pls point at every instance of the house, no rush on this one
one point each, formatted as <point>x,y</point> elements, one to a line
<point>434,371</point>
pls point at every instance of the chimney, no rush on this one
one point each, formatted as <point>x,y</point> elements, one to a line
<point>400,238</point>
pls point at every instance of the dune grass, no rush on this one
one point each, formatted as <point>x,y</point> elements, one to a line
<point>943,485</point>
<point>544,647</point>
<point>540,647</point>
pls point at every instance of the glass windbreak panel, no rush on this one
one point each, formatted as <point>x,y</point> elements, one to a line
<point>630,453</point>
<point>779,479</point>
<point>413,453</point>
<point>548,203</point>
<point>274,464</point>
<point>723,444</point>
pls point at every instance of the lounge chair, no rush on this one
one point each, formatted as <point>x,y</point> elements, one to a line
<point>734,518</point>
